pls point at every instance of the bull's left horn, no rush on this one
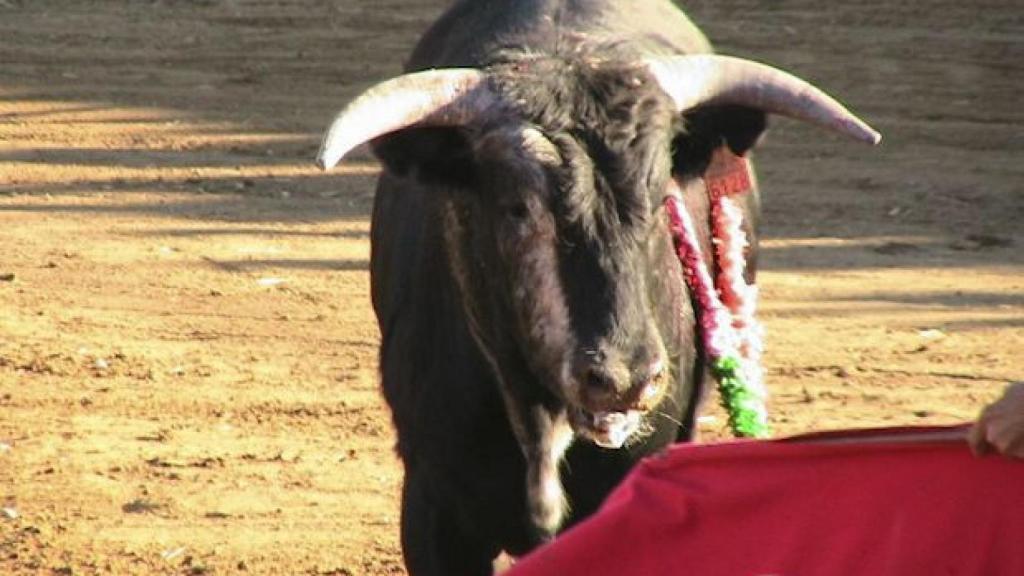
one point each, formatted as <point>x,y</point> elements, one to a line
<point>446,97</point>
<point>709,79</point>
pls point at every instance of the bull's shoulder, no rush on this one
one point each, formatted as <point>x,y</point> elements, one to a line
<point>471,32</point>
<point>397,232</point>
<point>653,26</point>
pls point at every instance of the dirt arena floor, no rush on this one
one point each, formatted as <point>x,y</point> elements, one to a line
<point>188,379</point>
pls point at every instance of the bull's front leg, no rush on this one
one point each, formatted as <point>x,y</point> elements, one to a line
<point>544,434</point>
<point>544,450</point>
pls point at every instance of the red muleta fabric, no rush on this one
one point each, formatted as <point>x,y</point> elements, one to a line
<point>893,502</point>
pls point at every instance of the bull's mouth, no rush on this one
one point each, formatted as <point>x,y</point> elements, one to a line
<point>607,429</point>
<point>612,426</point>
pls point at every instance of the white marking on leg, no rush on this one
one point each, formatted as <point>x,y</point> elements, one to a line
<point>547,496</point>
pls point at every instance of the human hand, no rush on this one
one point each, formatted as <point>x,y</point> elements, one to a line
<point>1001,425</point>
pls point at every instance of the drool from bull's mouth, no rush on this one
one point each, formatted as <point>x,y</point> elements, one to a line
<point>614,427</point>
<point>607,429</point>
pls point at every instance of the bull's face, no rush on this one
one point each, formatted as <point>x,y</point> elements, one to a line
<point>553,246</point>
<point>549,174</point>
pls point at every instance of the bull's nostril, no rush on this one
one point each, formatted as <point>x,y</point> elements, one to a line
<point>607,383</point>
<point>650,382</point>
<point>650,374</point>
<point>598,379</point>
<point>657,370</point>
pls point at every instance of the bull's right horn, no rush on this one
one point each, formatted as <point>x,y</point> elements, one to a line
<point>709,79</point>
<point>445,97</point>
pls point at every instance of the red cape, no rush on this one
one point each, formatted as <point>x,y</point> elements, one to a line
<point>897,502</point>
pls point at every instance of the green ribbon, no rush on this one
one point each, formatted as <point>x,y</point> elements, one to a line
<point>747,415</point>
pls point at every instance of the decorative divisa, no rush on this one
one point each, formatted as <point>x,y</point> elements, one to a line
<point>730,333</point>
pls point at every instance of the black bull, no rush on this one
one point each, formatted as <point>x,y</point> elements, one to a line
<point>537,334</point>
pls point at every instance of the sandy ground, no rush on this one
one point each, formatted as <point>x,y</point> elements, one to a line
<point>187,352</point>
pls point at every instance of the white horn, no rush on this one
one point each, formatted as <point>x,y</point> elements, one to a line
<point>445,97</point>
<point>711,79</point>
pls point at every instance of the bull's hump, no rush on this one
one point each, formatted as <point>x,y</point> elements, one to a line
<point>471,31</point>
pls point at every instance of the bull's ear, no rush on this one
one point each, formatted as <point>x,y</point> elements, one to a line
<point>708,128</point>
<point>741,127</point>
<point>431,155</point>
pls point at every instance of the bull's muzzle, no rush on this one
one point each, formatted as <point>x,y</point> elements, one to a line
<point>612,397</point>
<point>608,385</point>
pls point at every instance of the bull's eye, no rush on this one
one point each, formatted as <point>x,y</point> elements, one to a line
<point>514,210</point>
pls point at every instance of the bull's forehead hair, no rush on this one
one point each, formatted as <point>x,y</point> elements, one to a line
<point>611,122</point>
<point>582,92</point>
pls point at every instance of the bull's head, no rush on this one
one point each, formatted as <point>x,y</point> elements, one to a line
<point>552,173</point>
